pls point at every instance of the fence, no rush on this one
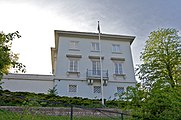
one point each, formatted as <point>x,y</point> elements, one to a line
<point>65,112</point>
<point>71,113</point>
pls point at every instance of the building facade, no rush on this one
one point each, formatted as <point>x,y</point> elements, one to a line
<point>76,64</point>
<point>27,83</point>
<point>76,67</point>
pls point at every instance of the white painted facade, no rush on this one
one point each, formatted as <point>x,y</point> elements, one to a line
<point>76,46</point>
<point>27,83</point>
<point>76,67</point>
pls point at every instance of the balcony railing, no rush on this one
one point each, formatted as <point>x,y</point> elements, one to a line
<point>96,74</point>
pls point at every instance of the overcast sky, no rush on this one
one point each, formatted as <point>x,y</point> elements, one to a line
<point>36,21</point>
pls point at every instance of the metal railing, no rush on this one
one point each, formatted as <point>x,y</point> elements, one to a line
<point>96,74</point>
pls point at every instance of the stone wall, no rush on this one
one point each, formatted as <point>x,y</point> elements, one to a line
<point>59,111</point>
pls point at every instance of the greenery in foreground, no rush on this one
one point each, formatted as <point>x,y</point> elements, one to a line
<point>6,115</point>
<point>28,100</point>
<point>8,98</point>
<point>158,95</point>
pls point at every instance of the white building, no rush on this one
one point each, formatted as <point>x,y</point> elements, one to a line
<point>27,83</point>
<point>76,67</point>
<point>76,64</point>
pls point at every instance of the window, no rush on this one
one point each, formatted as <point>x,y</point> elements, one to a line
<point>116,48</point>
<point>73,67</point>
<point>72,88</point>
<point>74,44</point>
<point>120,90</point>
<point>96,68</point>
<point>118,68</point>
<point>95,46</point>
<point>97,89</point>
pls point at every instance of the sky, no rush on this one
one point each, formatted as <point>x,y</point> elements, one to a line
<point>36,21</point>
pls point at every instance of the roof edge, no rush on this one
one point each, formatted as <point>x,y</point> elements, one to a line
<point>93,34</point>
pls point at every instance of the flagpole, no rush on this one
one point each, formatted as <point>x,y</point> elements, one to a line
<point>102,89</point>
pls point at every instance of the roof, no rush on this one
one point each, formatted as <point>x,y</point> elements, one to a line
<point>29,77</point>
<point>91,35</point>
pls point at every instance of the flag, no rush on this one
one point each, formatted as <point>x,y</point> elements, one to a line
<point>98,28</point>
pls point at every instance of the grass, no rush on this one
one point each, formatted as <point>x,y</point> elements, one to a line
<point>7,115</point>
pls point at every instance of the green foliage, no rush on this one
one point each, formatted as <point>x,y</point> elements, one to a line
<point>161,59</point>
<point>9,59</point>
<point>53,91</point>
<point>162,104</point>
<point>134,96</point>
<point>158,95</point>
<point>8,98</point>
<point>0,85</point>
<point>157,104</point>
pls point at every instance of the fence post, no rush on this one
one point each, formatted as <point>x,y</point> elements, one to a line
<point>71,112</point>
<point>121,116</point>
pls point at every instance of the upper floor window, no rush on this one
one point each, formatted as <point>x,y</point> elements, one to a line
<point>73,44</point>
<point>95,46</point>
<point>96,68</point>
<point>118,68</point>
<point>72,88</point>
<point>73,66</point>
<point>116,48</point>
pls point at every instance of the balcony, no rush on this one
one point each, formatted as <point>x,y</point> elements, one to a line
<point>92,75</point>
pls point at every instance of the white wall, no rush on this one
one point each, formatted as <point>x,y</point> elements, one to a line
<point>41,83</point>
<point>27,83</point>
<point>86,91</point>
<point>85,62</point>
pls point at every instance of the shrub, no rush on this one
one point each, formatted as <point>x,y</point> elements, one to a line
<point>32,99</point>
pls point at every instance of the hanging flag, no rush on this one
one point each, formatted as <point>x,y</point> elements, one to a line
<point>98,28</point>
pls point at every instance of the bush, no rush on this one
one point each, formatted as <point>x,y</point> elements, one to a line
<point>44,100</point>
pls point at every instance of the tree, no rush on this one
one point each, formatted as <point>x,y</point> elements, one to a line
<point>159,104</point>
<point>158,95</point>
<point>8,59</point>
<point>162,104</point>
<point>133,96</point>
<point>53,91</point>
<point>161,59</point>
